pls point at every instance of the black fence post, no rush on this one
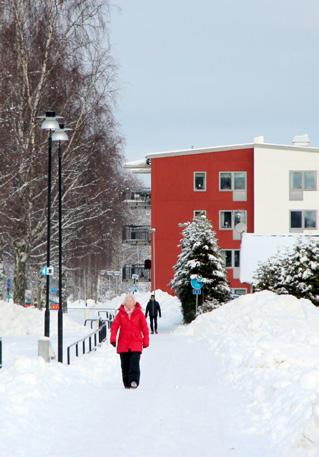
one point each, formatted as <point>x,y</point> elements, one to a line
<point>102,331</point>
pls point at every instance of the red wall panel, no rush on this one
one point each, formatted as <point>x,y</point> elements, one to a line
<point>174,200</point>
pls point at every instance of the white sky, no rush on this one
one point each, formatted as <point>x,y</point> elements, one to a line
<point>207,72</point>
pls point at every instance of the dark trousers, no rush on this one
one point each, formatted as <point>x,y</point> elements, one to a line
<point>153,322</point>
<point>130,364</point>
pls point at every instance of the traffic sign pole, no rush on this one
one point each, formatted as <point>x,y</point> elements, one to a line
<point>197,284</point>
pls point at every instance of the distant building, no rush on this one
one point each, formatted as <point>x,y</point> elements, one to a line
<point>136,242</point>
<point>256,188</point>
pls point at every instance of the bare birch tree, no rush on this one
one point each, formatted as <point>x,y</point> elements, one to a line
<point>54,54</point>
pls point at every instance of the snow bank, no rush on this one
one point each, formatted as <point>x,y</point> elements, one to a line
<point>18,321</point>
<point>170,306</point>
<point>269,346</point>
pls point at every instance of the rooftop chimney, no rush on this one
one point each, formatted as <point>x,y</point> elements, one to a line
<point>301,140</point>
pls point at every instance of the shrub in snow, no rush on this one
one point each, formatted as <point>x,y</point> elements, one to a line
<point>295,273</point>
<point>200,256</point>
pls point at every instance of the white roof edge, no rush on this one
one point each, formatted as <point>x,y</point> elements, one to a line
<point>141,163</point>
<point>232,147</point>
<point>285,234</point>
<point>287,147</point>
<point>191,151</point>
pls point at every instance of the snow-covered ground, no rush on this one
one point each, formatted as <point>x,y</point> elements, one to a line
<point>240,381</point>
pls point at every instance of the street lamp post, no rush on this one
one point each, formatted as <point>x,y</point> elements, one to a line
<point>49,123</point>
<point>60,135</point>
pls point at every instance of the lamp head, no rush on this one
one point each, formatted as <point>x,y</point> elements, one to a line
<point>50,121</point>
<point>60,133</point>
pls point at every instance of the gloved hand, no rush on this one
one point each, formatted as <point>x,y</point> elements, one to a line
<point>145,346</point>
<point>113,343</point>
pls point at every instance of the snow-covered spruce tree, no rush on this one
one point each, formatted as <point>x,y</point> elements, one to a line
<point>296,273</point>
<point>200,255</point>
<point>270,275</point>
<point>301,271</point>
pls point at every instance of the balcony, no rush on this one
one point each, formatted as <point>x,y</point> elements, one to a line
<point>138,270</point>
<point>139,199</point>
<point>136,234</point>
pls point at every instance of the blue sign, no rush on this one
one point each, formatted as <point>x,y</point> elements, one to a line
<point>47,271</point>
<point>196,283</point>
<point>197,292</point>
<point>54,290</point>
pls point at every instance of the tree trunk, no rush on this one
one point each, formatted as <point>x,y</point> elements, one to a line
<point>21,257</point>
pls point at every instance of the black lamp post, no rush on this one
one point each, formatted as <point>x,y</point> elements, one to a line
<point>60,135</point>
<point>49,123</point>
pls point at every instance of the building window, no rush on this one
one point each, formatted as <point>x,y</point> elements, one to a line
<point>200,180</point>
<point>228,257</point>
<point>237,258</point>
<point>199,213</point>
<point>303,180</point>
<point>231,258</point>
<point>310,180</point>
<point>305,219</point>
<point>237,292</point>
<point>232,180</point>
<point>229,219</point>
<point>225,181</point>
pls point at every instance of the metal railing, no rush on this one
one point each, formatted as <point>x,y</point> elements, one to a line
<point>109,317</point>
<point>0,352</point>
<point>139,199</point>
<point>96,337</point>
<point>129,270</point>
<point>136,234</point>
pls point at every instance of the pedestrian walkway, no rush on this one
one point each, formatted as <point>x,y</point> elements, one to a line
<point>183,408</point>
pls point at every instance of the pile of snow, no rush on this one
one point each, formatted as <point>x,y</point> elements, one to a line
<point>19,321</point>
<point>170,307</point>
<point>269,346</point>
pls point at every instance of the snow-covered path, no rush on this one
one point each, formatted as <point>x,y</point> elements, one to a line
<point>182,408</point>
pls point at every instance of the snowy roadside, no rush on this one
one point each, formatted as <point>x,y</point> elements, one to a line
<point>36,394</point>
<point>269,348</point>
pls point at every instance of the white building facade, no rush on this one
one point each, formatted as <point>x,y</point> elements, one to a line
<point>286,189</point>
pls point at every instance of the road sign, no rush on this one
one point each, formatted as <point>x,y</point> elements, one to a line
<point>197,292</point>
<point>47,271</point>
<point>197,283</point>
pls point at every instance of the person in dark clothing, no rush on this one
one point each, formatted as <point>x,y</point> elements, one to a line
<point>153,309</point>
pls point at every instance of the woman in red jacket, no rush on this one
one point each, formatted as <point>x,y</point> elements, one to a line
<point>133,337</point>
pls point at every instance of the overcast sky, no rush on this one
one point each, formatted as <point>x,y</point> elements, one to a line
<point>207,73</point>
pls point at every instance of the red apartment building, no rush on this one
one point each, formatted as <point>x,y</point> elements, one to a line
<point>215,181</point>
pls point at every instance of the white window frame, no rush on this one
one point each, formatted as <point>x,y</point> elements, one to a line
<point>233,211</point>
<point>202,211</point>
<point>232,173</point>
<point>205,181</point>
<point>303,180</point>
<point>302,211</point>
<point>239,288</point>
<point>232,258</point>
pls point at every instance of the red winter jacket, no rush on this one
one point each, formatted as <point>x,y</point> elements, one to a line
<point>134,333</point>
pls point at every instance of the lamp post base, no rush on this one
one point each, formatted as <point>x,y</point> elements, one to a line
<point>47,323</point>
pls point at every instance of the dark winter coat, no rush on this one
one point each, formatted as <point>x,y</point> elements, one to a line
<point>134,335</point>
<point>153,308</point>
